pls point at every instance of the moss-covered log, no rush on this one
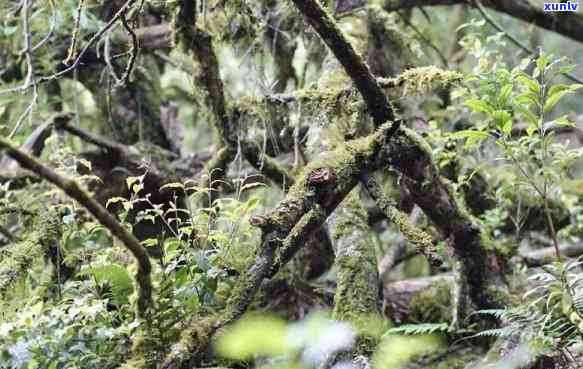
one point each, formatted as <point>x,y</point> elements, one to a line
<point>419,300</point>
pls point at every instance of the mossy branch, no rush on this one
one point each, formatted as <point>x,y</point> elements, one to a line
<point>354,65</point>
<point>73,190</point>
<point>410,156</point>
<point>422,241</point>
<point>201,44</point>
<point>323,184</point>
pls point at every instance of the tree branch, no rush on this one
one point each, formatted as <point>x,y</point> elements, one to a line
<point>567,24</point>
<point>374,97</point>
<point>73,190</point>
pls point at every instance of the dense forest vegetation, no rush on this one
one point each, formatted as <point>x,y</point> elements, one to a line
<point>290,184</point>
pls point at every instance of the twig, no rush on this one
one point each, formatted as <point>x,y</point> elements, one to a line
<point>426,40</point>
<point>30,80</point>
<point>75,35</point>
<point>51,31</point>
<point>134,50</point>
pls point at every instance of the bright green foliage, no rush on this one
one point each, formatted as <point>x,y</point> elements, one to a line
<point>254,335</point>
<point>116,277</point>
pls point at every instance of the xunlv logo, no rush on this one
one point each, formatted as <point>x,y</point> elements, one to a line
<point>561,7</point>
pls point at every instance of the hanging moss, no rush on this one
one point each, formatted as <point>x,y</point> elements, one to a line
<point>421,80</point>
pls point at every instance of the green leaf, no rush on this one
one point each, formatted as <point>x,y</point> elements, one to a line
<point>118,279</point>
<point>114,200</point>
<point>542,62</point>
<point>131,180</point>
<point>173,186</point>
<point>502,119</point>
<point>469,134</point>
<point>479,106</point>
<point>253,335</point>
<point>505,93</point>
<point>473,137</point>
<point>528,115</point>
<point>526,98</point>
<point>553,100</point>
<point>9,30</point>
<point>556,89</point>
<point>531,84</point>
<point>424,328</point>
<point>563,121</point>
<point>150,242</point>
<point>566,69</point>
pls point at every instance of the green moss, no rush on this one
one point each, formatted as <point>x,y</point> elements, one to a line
<point>356,299</point>
<point>421,80</point>
<point>432,305</point>
<point>17,257</point>
<point>194,341</point>
<point>345,161</point>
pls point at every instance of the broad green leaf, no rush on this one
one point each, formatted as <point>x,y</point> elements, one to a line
<point>173,186</point>
<point>542,62</point>
<point>479,106</point>
<point>566,69</point>
<point>553,100</point>
<point>150,242</point>
<point>563,121</point>
<point>528,115</point>
<point>473,137</point>
<point>470,134</point>
<point>502,119</point>
<point>114,200</point>
<point>526,98</point>
<point>118,279</point>
<point>531,84</point>
<point>131,180</point>
<point>556,89</point>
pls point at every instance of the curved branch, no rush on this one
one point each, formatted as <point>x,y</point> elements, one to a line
<point>73,190</point>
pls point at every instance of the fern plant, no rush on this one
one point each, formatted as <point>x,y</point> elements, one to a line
<point>553,317</point>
